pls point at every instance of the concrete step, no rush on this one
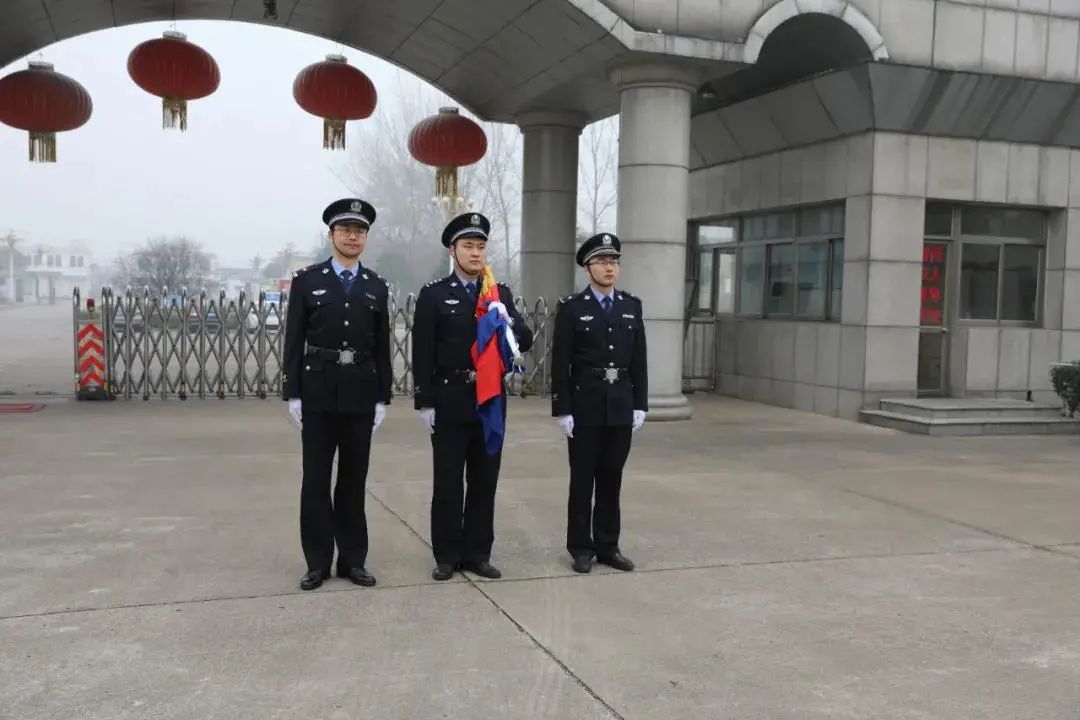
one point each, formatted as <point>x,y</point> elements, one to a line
<point>959,408</point>
<point>971,425</point>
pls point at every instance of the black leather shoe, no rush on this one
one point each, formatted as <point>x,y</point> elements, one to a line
<point>359,576</point>
<point>443,571</point>
<point>615,560</point>
<point>582,563</point>
<point>313,579</point>
<point>483,569</point>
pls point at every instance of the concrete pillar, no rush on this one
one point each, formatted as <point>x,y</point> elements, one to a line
<point>549,204</point>
<point>654,161</point>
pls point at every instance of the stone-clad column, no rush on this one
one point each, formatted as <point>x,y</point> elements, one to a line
<point>654,160</point>
<point>548,204</point>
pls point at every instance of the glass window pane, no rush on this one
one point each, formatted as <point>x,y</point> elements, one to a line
<point>781,288</point>
<point>772,226</point>
<point>1020,283</point>
<point>817,221</point>
<point>725,281</point>
<point>716,234</point>
<point>705,280</point>
<point>938,219</point>
<point>755,227</point>
<point>1002,222</point>
<point>813,261</point>
<point>752,279</point>
<point>979,282</point>
<point>837,290</point>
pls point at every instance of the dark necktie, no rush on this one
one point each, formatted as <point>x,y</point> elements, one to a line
<point>471,289</point>
<point>606,302</point>
<point>346,280</point>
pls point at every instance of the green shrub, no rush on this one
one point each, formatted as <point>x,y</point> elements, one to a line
<point>1066,380</point>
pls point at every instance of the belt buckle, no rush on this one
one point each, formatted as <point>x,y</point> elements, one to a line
<point>346,357</point>
<point>611,375</point>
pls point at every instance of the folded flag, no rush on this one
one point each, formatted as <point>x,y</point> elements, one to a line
<point>491,357</point>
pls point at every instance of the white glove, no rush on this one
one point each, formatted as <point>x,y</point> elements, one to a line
<point>427,416</point>
<point>566,422</point>
<point>501,309</point>
<point>639,419</point>
<point>295,413</point>
<point>380,414</point>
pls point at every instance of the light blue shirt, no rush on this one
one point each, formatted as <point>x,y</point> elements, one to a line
<point>600,296</point>
<point>339,268</point>
<point>465,283</point>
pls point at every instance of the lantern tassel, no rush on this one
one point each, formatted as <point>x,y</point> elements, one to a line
<point>446,182</point>
<point>333,136</point>
<point>174,113</point>
<point>43,147</point>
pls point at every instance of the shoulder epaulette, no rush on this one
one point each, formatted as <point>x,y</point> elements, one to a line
<point>568,298</point>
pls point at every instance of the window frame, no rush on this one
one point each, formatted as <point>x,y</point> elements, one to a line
<point>834,241</point>
<point>956,241</point>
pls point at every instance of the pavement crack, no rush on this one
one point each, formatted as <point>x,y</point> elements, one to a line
<point>550,654</point>
<point>220,598</point>
<point>953,521</point>
<point>510,618</point>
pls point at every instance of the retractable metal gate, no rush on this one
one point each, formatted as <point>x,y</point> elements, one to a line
<point>162,345</point>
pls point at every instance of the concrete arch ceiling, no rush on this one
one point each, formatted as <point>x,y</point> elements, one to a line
<point>794,40</point>
<point>498,58</point>
<point>889,98</point>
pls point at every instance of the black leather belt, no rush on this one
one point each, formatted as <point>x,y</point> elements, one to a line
<point>609,375</point>
<point>462,377</point>
<point>342,357</point>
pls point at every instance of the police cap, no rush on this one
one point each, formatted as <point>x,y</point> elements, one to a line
<point>472,225</point>
<point>349,210</point>
<point>597,245</point>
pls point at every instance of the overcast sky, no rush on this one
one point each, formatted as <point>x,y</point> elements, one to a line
<point>248,176</point>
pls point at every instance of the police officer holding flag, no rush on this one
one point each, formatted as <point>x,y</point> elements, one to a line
<point>599,393</point>
<point>445,393</point>
<point>337,383</point>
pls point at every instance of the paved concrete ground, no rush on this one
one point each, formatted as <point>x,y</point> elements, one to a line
<point>36,348</point>
<point>791,566</point>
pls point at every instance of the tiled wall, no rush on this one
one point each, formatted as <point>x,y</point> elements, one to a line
<point>884,179</point>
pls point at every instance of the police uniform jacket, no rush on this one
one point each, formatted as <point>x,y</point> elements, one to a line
<point>598,361</point>
<point>444,330</point>
<point>321,320</point>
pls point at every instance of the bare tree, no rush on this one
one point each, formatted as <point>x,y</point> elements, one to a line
<point>598,175</point>
<point>380,169</point>
<point>164,262</point>
<point>280,265</point>
<point>404,245</point>
<point>496,185</point>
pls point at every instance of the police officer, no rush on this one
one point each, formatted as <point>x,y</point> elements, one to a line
<point>337,382</point>
<point>599,393</point>
<point>444,329</point>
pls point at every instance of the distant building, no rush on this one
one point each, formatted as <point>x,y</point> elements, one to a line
<point>56,270</point>
<point>6,266</point>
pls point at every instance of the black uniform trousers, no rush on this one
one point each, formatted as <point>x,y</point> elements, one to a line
<point>598,454</point>
<point>462,521</point>
<point>344,520</point>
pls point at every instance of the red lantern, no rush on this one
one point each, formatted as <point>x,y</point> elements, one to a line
<point>447,141</point>
<point>175,70</point>
<point>337,92</point>
<point>43,102</point>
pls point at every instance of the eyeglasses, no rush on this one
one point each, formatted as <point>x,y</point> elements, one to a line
<point>607,262</point>
<point>350,230</point>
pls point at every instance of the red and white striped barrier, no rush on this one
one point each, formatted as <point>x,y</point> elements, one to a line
<point>90,354</point>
